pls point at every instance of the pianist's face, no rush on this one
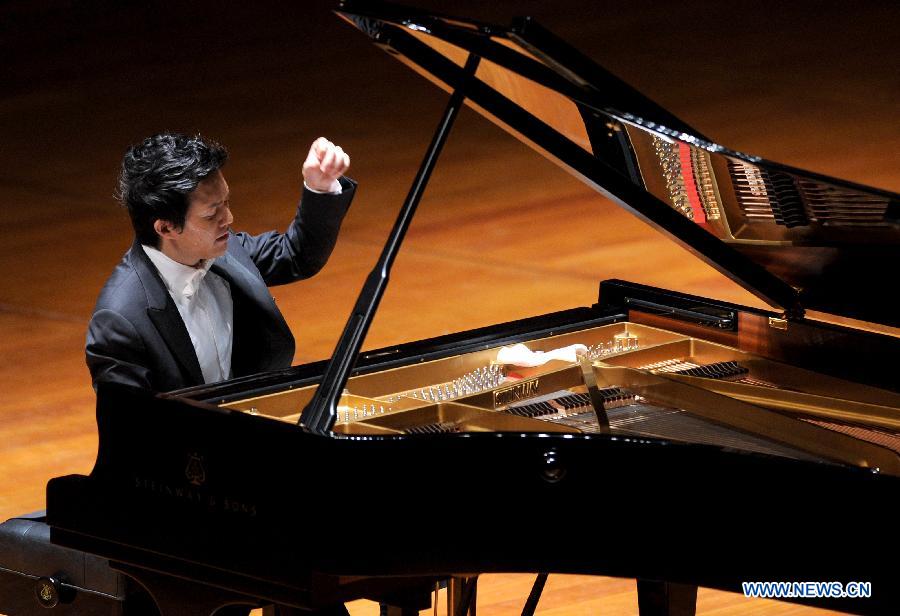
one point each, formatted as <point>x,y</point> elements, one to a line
<point>205,231</point>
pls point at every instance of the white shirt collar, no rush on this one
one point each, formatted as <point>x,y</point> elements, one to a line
<point>181,280</point>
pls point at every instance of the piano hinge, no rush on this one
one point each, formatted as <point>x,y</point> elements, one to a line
<point>795,313</point>
<point>778,323</point>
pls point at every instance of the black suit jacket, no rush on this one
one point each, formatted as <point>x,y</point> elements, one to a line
<point>136,335</point>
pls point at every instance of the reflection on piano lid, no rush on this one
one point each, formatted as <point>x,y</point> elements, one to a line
<point>797,239</point>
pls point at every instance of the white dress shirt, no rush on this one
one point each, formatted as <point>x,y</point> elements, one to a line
<point>204,302</point>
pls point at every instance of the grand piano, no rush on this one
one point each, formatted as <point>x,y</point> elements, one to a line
<point>677,440</point>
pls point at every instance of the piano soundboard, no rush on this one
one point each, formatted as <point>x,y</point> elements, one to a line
<point>657,384</point>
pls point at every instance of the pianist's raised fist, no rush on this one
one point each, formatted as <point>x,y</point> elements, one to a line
<point>324,164</point>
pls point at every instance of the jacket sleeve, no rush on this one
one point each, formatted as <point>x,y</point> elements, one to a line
<point>304,248</point>
<point>115,352</point>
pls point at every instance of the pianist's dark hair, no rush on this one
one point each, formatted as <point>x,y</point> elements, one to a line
<point>157,176</point>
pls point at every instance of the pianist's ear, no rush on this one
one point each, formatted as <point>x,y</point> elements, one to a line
<point>164,228</point>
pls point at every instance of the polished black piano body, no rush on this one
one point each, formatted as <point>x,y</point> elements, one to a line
<point>217,486</point>
<point>211,494</point>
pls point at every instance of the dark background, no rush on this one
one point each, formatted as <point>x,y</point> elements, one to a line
<point>81,80</point>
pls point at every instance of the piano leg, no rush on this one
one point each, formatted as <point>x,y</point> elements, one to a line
<point>666,599</point>
<point>394,610</point>
<point>461,593</point>
<point>535,595</point>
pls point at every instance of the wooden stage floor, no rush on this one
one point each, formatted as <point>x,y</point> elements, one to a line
<point>501,233</point>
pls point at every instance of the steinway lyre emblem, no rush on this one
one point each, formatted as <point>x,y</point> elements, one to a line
<point>47,592</point>
<point>194,471</point>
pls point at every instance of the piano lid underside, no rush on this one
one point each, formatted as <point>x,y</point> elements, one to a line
<point>655,384</point>
<point>797,239</point>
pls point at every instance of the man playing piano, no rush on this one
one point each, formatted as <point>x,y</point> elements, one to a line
<point>188,304</point>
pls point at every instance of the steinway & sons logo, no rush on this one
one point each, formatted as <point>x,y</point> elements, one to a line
<point>194,471</point>
<point>519,391</point>
<point>193,491</point>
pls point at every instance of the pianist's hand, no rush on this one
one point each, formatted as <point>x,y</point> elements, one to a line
<point>324,164</point>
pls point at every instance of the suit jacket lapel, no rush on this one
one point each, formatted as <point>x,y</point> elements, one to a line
<point>257,321</point>
<point>162,311</point>
<point>246,283</point>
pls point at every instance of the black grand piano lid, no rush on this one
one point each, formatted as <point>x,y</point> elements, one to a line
<point>796,239</point>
